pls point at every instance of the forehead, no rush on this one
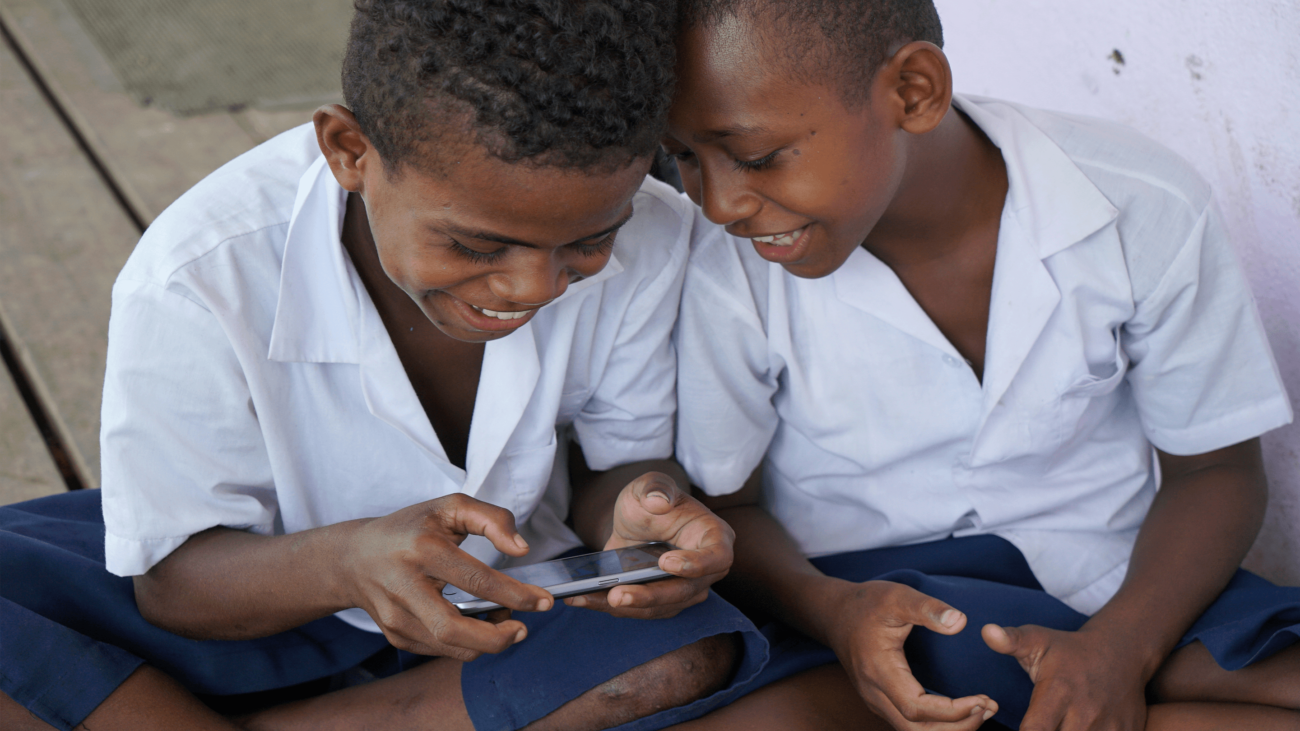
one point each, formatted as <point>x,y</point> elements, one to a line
<point>474,190</point>
<point>731,75</point>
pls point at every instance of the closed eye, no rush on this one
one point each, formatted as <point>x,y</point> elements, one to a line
<point>475,256</point>
<point>600,248</point>
<point>760,164</point>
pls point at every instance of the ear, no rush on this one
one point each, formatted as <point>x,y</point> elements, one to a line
<point>919,82</point>
<point>345,148</point>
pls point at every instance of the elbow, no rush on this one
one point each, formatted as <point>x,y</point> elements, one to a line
<point>149,600</point>
<point>157,608</point>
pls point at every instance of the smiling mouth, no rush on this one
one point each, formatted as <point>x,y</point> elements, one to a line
<point>786,239</point>
<point>502,315</point>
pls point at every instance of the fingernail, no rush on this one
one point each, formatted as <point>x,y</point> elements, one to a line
<point>988,715</point>
<point>520,635</point>
<point>577,601</point>
<point>519,541</point>
<point>658,494</point>
<point>950,618</point>
<point>625,600</point>
<point>977,710</point>
<point>674,564</point>
<point>544,605</point>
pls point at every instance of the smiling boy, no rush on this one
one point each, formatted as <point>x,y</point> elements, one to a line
<point>933,372</point>
<point>347,370</point>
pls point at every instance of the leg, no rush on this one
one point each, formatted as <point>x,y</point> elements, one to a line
<point>1220,717</point>
<point>73,637</point>
<point>432,692</point>
<point>676,679</point>
<point>1192,675</point>
<point>821,699</point>
<point>147,701</point>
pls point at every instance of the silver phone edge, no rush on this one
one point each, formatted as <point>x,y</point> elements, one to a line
<point>573,588</point>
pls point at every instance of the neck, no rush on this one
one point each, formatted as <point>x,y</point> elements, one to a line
<point>955,182</point>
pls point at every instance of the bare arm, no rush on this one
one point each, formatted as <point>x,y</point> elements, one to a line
<point>1204,520</point>
<point>227,584</point>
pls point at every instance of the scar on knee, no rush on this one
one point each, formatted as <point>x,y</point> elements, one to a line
<point>615,689</point>
<point>677,678</point>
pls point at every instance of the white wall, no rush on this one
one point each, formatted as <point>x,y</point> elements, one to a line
<point>1219,82</point>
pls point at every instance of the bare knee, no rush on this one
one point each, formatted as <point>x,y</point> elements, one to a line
<point>678,678</point>
<point>683,676</point>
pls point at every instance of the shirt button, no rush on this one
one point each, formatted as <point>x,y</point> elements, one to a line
<point>951,360</point>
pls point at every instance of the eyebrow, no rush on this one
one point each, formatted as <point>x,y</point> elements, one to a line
<point>736,130</point>
<point>500,239</point>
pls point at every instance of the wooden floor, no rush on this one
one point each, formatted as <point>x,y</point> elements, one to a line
<point>83,169</point>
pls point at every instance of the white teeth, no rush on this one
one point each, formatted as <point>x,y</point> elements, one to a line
<point>780,239</point>
<point>502,315</point>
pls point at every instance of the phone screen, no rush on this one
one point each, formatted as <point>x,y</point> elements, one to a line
<point>605,563</point>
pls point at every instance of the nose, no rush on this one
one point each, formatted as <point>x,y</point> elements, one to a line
<point>534,281</point>
<point>724,197</point>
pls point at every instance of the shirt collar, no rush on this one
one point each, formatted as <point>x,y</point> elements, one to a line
<point>318,315</point>
<point>1055,203</point>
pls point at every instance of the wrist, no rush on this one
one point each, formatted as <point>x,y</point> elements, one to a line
<point>1134,645</point>
<point>341,552</point>
<point>814,607</point>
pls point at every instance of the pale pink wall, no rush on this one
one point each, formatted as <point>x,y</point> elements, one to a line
<point>1217,81</point>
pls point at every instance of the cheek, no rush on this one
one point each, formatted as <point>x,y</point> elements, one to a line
<point>589,266</point>
<point>432,269</point>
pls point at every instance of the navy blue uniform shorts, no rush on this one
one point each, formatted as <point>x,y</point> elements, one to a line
<point>987,578</point>
<point>70,634</point>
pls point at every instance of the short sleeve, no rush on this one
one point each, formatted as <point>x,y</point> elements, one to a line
<point>726,381</point>
<point>1202,373</point>
<point>629,415</point>
<point>182,449</point>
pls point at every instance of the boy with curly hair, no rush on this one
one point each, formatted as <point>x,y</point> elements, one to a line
<point>978,386</point>
<point>361,364</point>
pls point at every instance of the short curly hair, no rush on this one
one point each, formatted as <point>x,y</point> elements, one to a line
<point>845,41</point>
<point>567,83</point>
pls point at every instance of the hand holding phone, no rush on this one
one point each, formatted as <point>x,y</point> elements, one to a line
<point>565,577</point>
<point>395,568</point>
<point>653,508</point>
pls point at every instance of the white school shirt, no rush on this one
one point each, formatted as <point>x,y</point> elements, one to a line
<point>251,382</point>
<point>1119,319</point>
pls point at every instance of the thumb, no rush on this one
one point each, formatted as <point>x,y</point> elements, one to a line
<point>656,493</point>
<point>1002,640</point>
<point>1023,643</point>
<point>933,614</point>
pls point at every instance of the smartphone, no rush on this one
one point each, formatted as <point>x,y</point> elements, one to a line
<point>577,574</point>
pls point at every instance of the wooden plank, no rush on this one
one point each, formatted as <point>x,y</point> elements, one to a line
<point>26,470</point>
<point>263,125</point>
<point>63,239</point>
<point>151,155</point>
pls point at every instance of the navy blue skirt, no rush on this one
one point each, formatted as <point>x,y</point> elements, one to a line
<point>988,578</point>
<point>70,634</point>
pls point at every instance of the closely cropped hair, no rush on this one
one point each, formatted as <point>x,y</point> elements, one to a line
<point>569,83</point>
<point>845,40</point>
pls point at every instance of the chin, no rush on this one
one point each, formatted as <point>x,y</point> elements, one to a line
<point>472,336</point>
<point>810,270</point>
